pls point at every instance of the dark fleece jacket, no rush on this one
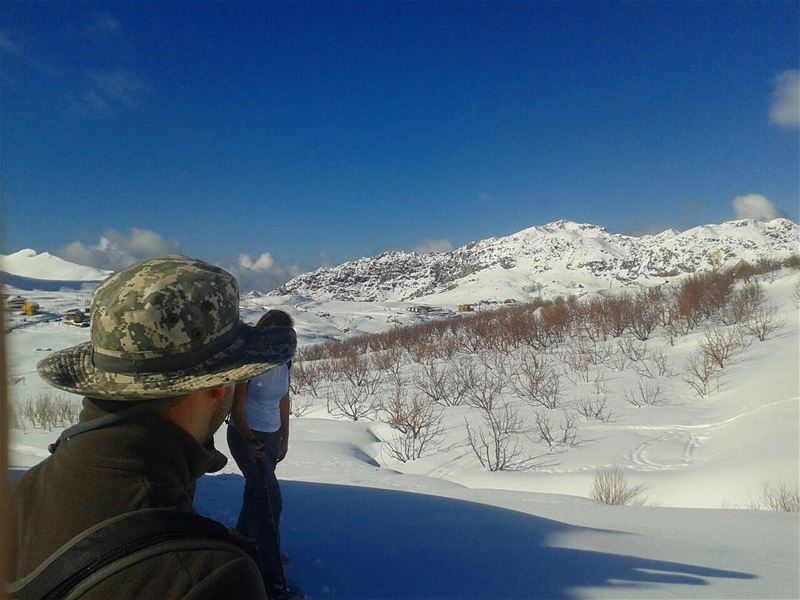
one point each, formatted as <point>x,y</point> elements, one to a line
<point>147,462</point>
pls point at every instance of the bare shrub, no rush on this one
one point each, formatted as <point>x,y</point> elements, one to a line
<point>653,365</point>
<point>575,358</point>
<point>646,313</point>
<point>536,382</point>
<point>418,424</point>
<point>484,388</point>
<point>422,352</point>
<point>596,408</point>
<point>568,431</point>
<point>644,394</point>
<point>48,411</point>
<point>300,405</point>
<point>721,345</point>
<point>743,303</point>
<point>763,322</point>
<point>701,373</point>
<point>565,434</point>
<point>458,382</point>
<point>354,396</point>
<point>357,370</point>
<point>632,349</point>
<point>777,497</point>
<point>351,402</point>
<point>432,381</point>
<point>496,442</point>
<point>389,360</point>
<point>618,360</point>
<point>306,377</point>
<point>610,486</point>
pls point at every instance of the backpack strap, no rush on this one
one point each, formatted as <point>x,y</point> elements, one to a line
<point>119,542</point>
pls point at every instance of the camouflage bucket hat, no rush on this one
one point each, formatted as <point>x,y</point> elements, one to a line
<point>166,327</point>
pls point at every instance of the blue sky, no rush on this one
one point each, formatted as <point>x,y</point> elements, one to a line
<point>319,132</point>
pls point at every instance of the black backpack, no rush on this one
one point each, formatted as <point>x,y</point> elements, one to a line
<point>118,543</point>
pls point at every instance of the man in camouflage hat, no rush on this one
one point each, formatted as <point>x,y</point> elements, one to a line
<point>167,348</point>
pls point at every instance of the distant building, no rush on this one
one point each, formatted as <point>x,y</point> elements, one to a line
<point>421,308</point>
<point>13,302</point>
<point>76,317</point>
<point>465,308</point>
<point>30,308</point>
<point>741,269</point>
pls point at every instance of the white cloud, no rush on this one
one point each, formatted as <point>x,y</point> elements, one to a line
<point>754,206</point>
<point>102,25</point>
<point>107,91</point>
<point>263,274</point>
<point>115,250</point>
<point>264,262</point>
<point>428,246</point>
<point>784,109</point>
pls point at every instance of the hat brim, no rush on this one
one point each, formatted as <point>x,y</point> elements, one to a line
<point>254,351</point>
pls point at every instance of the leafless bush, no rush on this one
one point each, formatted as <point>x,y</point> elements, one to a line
<point>458,382</point>
<point>47,411</point>
<point>777,497</point>
<point>721,345</point>
<point>701,373</point>
<point>351,401</point>
<point>763,322</point>
<point>544,427</point>
<point>418,424</point>
<point>653,365</point>
<point>743,303</point>
<point>496,442</point>
<point>647,308</point>
<point>618,360</point>
<point>306,376</point>
<point>446,347</point>
<point>422,352</point>
<point>484,388</point>
<point>389,361</point>
<point>596,408</point>
<point>575,358</point>
<point>432,381</point>
<point>357,370</point>
<point>610,486</point>
<point>536,382</point>
<point>566,434</point>
<point>632,349</point>
<point>354,396</point>
<point>495,361</point>
<point>644,394</point>
<point>301,405</point>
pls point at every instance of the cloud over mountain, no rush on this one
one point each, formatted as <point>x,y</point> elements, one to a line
<point>115,250</point>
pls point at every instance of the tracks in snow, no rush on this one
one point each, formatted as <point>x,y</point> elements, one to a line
<point>645,456</point>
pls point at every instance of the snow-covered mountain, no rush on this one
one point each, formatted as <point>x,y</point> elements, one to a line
<point>557,258</point>
<point>29,264</point>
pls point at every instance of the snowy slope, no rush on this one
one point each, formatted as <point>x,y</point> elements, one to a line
<point>30,264</point>
<point>554,259</point>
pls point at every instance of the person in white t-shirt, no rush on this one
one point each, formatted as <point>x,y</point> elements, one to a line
<point>258,437</point>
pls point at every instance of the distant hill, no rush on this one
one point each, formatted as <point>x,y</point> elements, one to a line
<point>29,270</point>
<point>554,259</point>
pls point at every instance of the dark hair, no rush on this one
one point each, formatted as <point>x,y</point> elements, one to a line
<point>275,317</point>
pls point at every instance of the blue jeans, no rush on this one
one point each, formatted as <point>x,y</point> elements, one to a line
<point>254,515</point>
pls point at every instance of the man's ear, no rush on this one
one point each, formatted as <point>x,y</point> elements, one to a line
<point>217,393</point>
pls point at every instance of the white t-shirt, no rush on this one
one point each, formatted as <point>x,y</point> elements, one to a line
<point>264,395</point>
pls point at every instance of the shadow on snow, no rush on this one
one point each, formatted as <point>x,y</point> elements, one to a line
<point>355,542</point>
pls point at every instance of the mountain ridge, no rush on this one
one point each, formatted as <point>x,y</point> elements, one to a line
<point>584,253</point>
